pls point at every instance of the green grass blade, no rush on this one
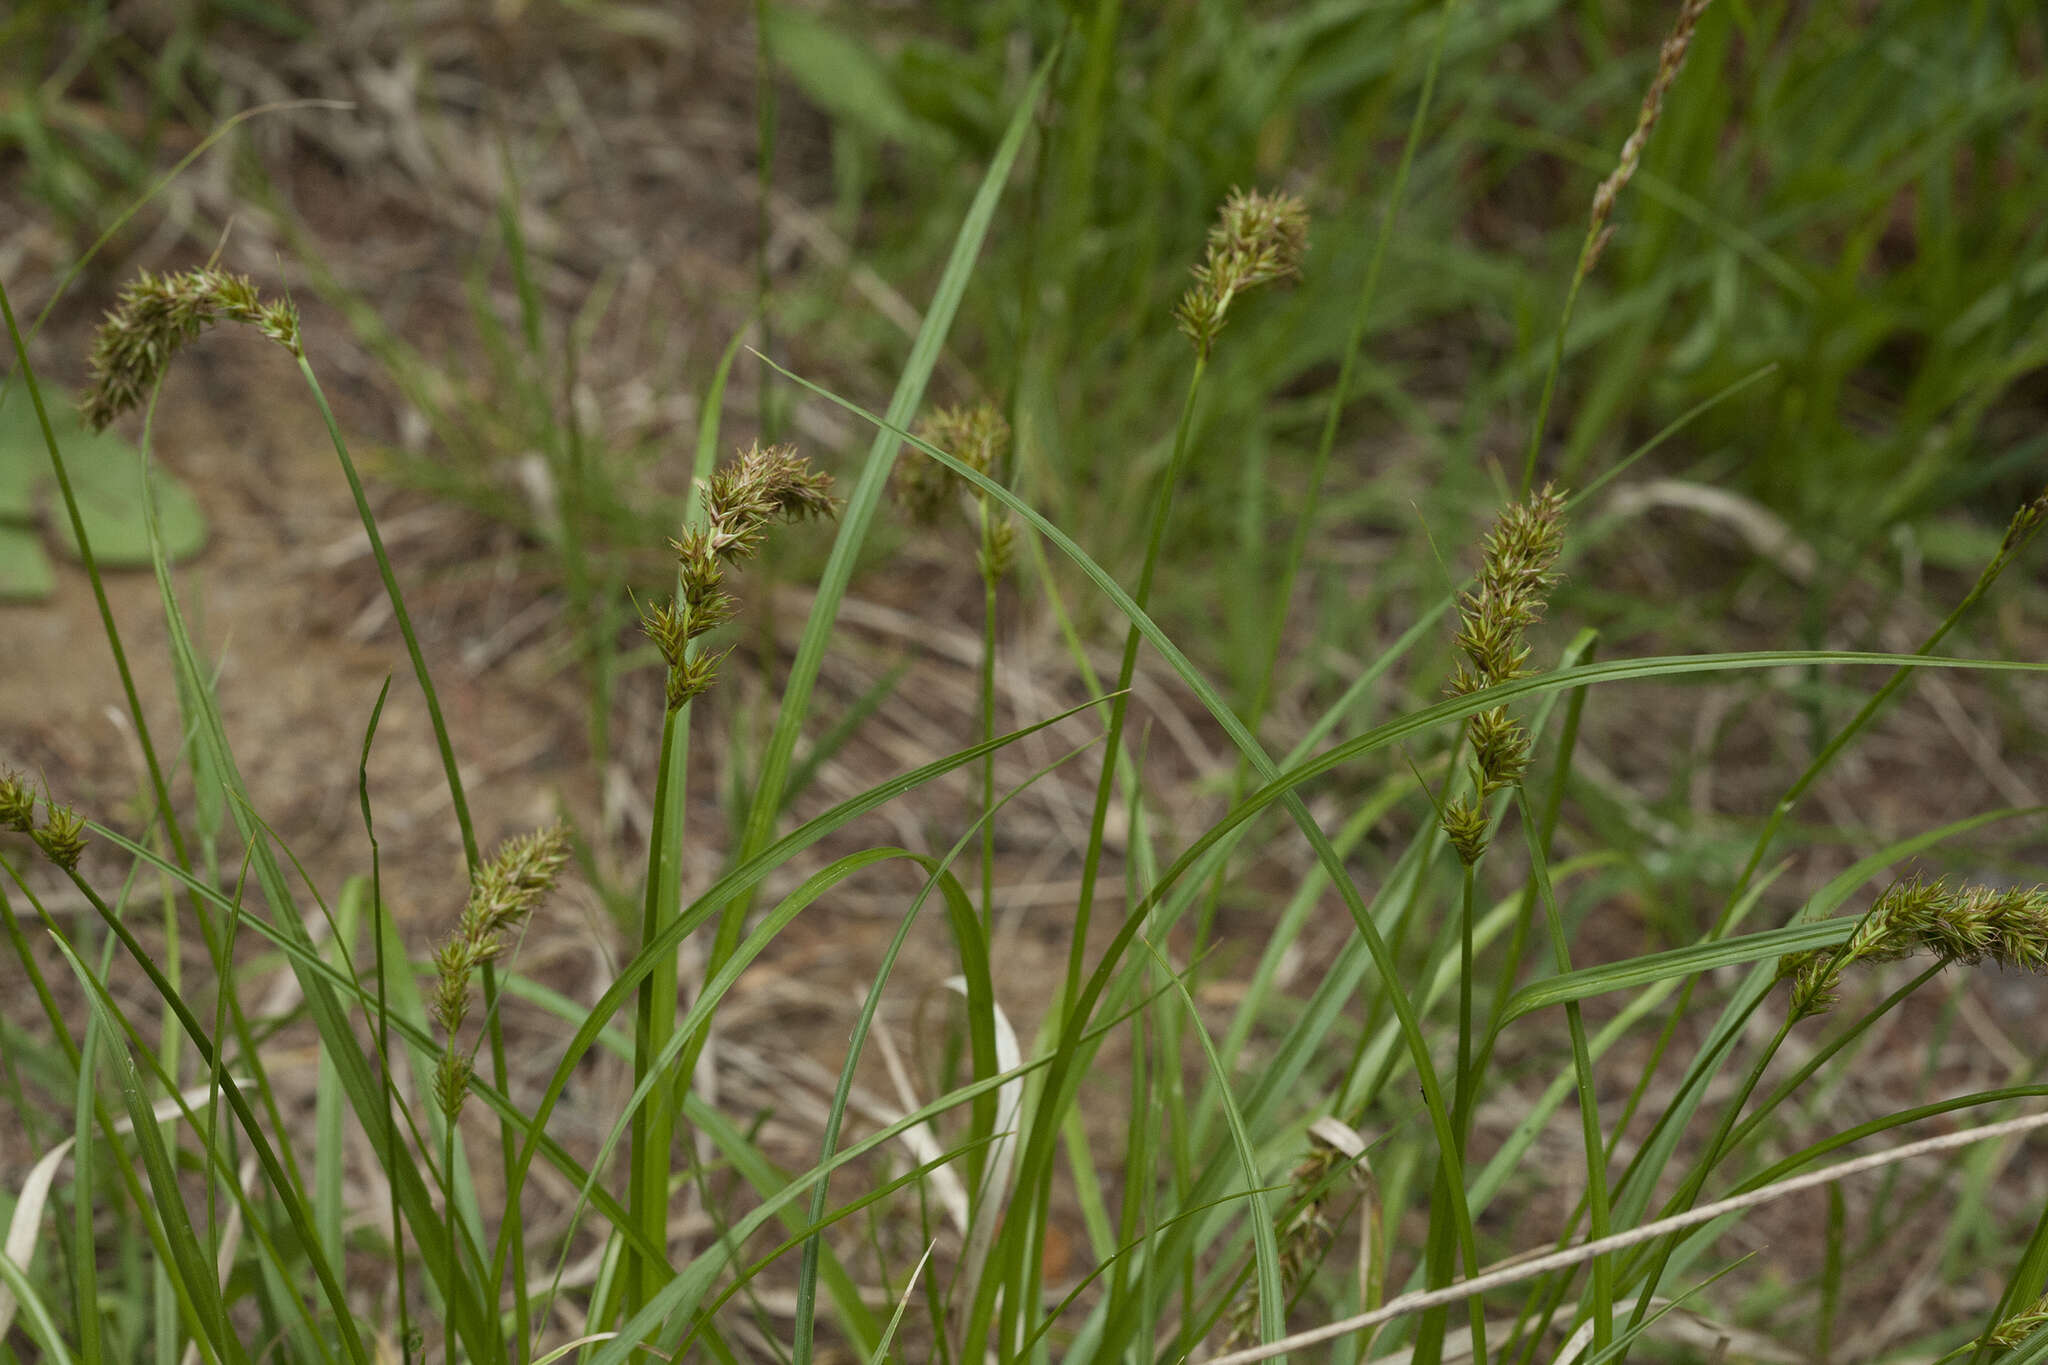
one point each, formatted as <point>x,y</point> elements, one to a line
<point>37,1321</point>
<point>735,883</point>
<point>1272,1294</point>
<point>1808,932</point>
<point>858,514</point>
<point>192,1264</point>
<point>881,1351</point>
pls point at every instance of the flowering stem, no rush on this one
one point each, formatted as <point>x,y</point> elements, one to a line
<point>159,788</point>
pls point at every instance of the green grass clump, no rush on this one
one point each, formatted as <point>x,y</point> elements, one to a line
<point>1229,1126</point>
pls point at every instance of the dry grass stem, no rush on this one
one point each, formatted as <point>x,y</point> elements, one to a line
<point>1517,1270</point>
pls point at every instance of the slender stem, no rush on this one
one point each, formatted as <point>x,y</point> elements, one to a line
<point>1017,1303</point>
<point>1564,322</point>
<point>988,734</point>
<point>1689,1194</point>
<point>1340,395</point>
<point>448,1228</point>
<point>159,788</point>
<point>1589,1103</point>
<point>653,1127</point>
<point>387,1068</point>
<point>767,416</point>
<point>1468,1083</point>
<point>1119,705</point>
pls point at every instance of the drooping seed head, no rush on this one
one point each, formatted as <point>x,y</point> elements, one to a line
<point>976,436</point>
<point>2013,1330</point>
<point>766,483</point>
<point>158,314</point>
<point>741,499</point>
<point>502,893</point>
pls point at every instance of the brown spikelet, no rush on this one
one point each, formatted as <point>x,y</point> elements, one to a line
<point>1670,61</point>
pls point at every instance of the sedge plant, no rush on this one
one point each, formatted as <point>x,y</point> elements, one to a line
<point>1207,1192</point>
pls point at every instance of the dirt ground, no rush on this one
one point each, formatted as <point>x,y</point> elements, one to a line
<point>654,180</point>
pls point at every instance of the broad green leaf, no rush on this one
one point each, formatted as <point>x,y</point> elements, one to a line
<point>106,476</point>
<point>25,571</point>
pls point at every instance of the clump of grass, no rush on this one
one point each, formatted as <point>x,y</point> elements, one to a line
<point>1181,1240</point>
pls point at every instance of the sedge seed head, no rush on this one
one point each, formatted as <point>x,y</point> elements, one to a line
<point>451,1081</point>
<point>1970,924</point>
<point>998,546</point>
<point>1670,61</point>
<point>692,678</point>
<point>668,626</point>
<point>2023,527</point>
<point>766,484</point>
<point>61,836</point>
<point>1500,750</point>
<point>1258,238</point>
<point>1303,1234</point>
<point>2013,1330</point>
<point>156,315</point>
<point>976,435</point>
<point>17,802</point>
<point>1518,569</point>
<point>503,892</point>
<point>454,961</point>
<point>1464,824</point>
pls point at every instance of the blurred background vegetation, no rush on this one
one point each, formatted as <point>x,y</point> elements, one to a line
<point>1848,195</point>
